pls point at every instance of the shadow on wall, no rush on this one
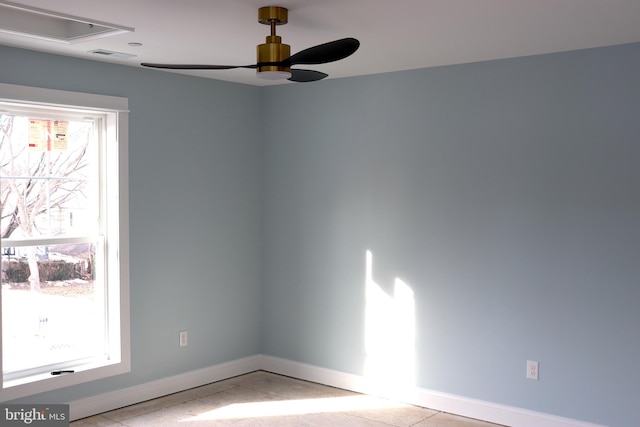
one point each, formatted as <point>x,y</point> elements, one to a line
<point>390,351</point>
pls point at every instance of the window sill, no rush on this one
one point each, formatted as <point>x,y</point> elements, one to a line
<point>40,383</point>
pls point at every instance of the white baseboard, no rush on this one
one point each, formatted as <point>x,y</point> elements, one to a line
<point>478,409</point>
<point>459,405</point>
<point>117,399</point>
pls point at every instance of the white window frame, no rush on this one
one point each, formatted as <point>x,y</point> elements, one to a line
<point>116,112</point>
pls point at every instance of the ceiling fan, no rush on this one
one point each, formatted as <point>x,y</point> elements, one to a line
<point>274,59</point>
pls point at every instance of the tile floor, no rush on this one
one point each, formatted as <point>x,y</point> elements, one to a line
<point>265,399</point>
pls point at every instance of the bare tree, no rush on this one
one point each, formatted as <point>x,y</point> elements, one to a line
<point>33,183</point>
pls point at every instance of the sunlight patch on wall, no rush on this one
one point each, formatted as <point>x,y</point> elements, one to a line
<point>389,335</point>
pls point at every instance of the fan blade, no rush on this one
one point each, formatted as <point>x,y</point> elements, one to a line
<point>324,53</point>
<point>195,66</point>
<point>303,76</point>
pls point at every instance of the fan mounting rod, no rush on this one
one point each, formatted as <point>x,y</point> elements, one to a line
<point>273,51</point>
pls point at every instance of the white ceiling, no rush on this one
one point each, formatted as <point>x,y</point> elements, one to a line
<point>394,35</point>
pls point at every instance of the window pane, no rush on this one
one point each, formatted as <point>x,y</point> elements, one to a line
<point>50,176</point>
<point>64,321</point>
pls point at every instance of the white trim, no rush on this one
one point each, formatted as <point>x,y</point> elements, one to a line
<point>117,399</point>
<point>458,405</point>
<point>52,97</point>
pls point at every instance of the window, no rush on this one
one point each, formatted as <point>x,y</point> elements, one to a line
<point>64,311</point>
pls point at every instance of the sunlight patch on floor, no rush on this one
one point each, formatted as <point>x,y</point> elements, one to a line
<point>294,407</point>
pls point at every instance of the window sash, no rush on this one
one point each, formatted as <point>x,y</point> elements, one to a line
<point>49,241</point>
<point>47,360</point>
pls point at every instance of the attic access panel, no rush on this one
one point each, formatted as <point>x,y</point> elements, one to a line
<point>47,25</point>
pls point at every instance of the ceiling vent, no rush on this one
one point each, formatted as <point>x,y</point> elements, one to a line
<point>47,25</point>
<point>112,54</point>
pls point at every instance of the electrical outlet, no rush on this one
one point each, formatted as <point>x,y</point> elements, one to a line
<point>532,369</point>
<point>184,337</point>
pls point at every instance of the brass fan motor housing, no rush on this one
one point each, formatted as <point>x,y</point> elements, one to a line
<point>273,50</point>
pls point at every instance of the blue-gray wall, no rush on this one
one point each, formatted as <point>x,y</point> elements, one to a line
<point>194,169</point>
<point>506,194</point>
